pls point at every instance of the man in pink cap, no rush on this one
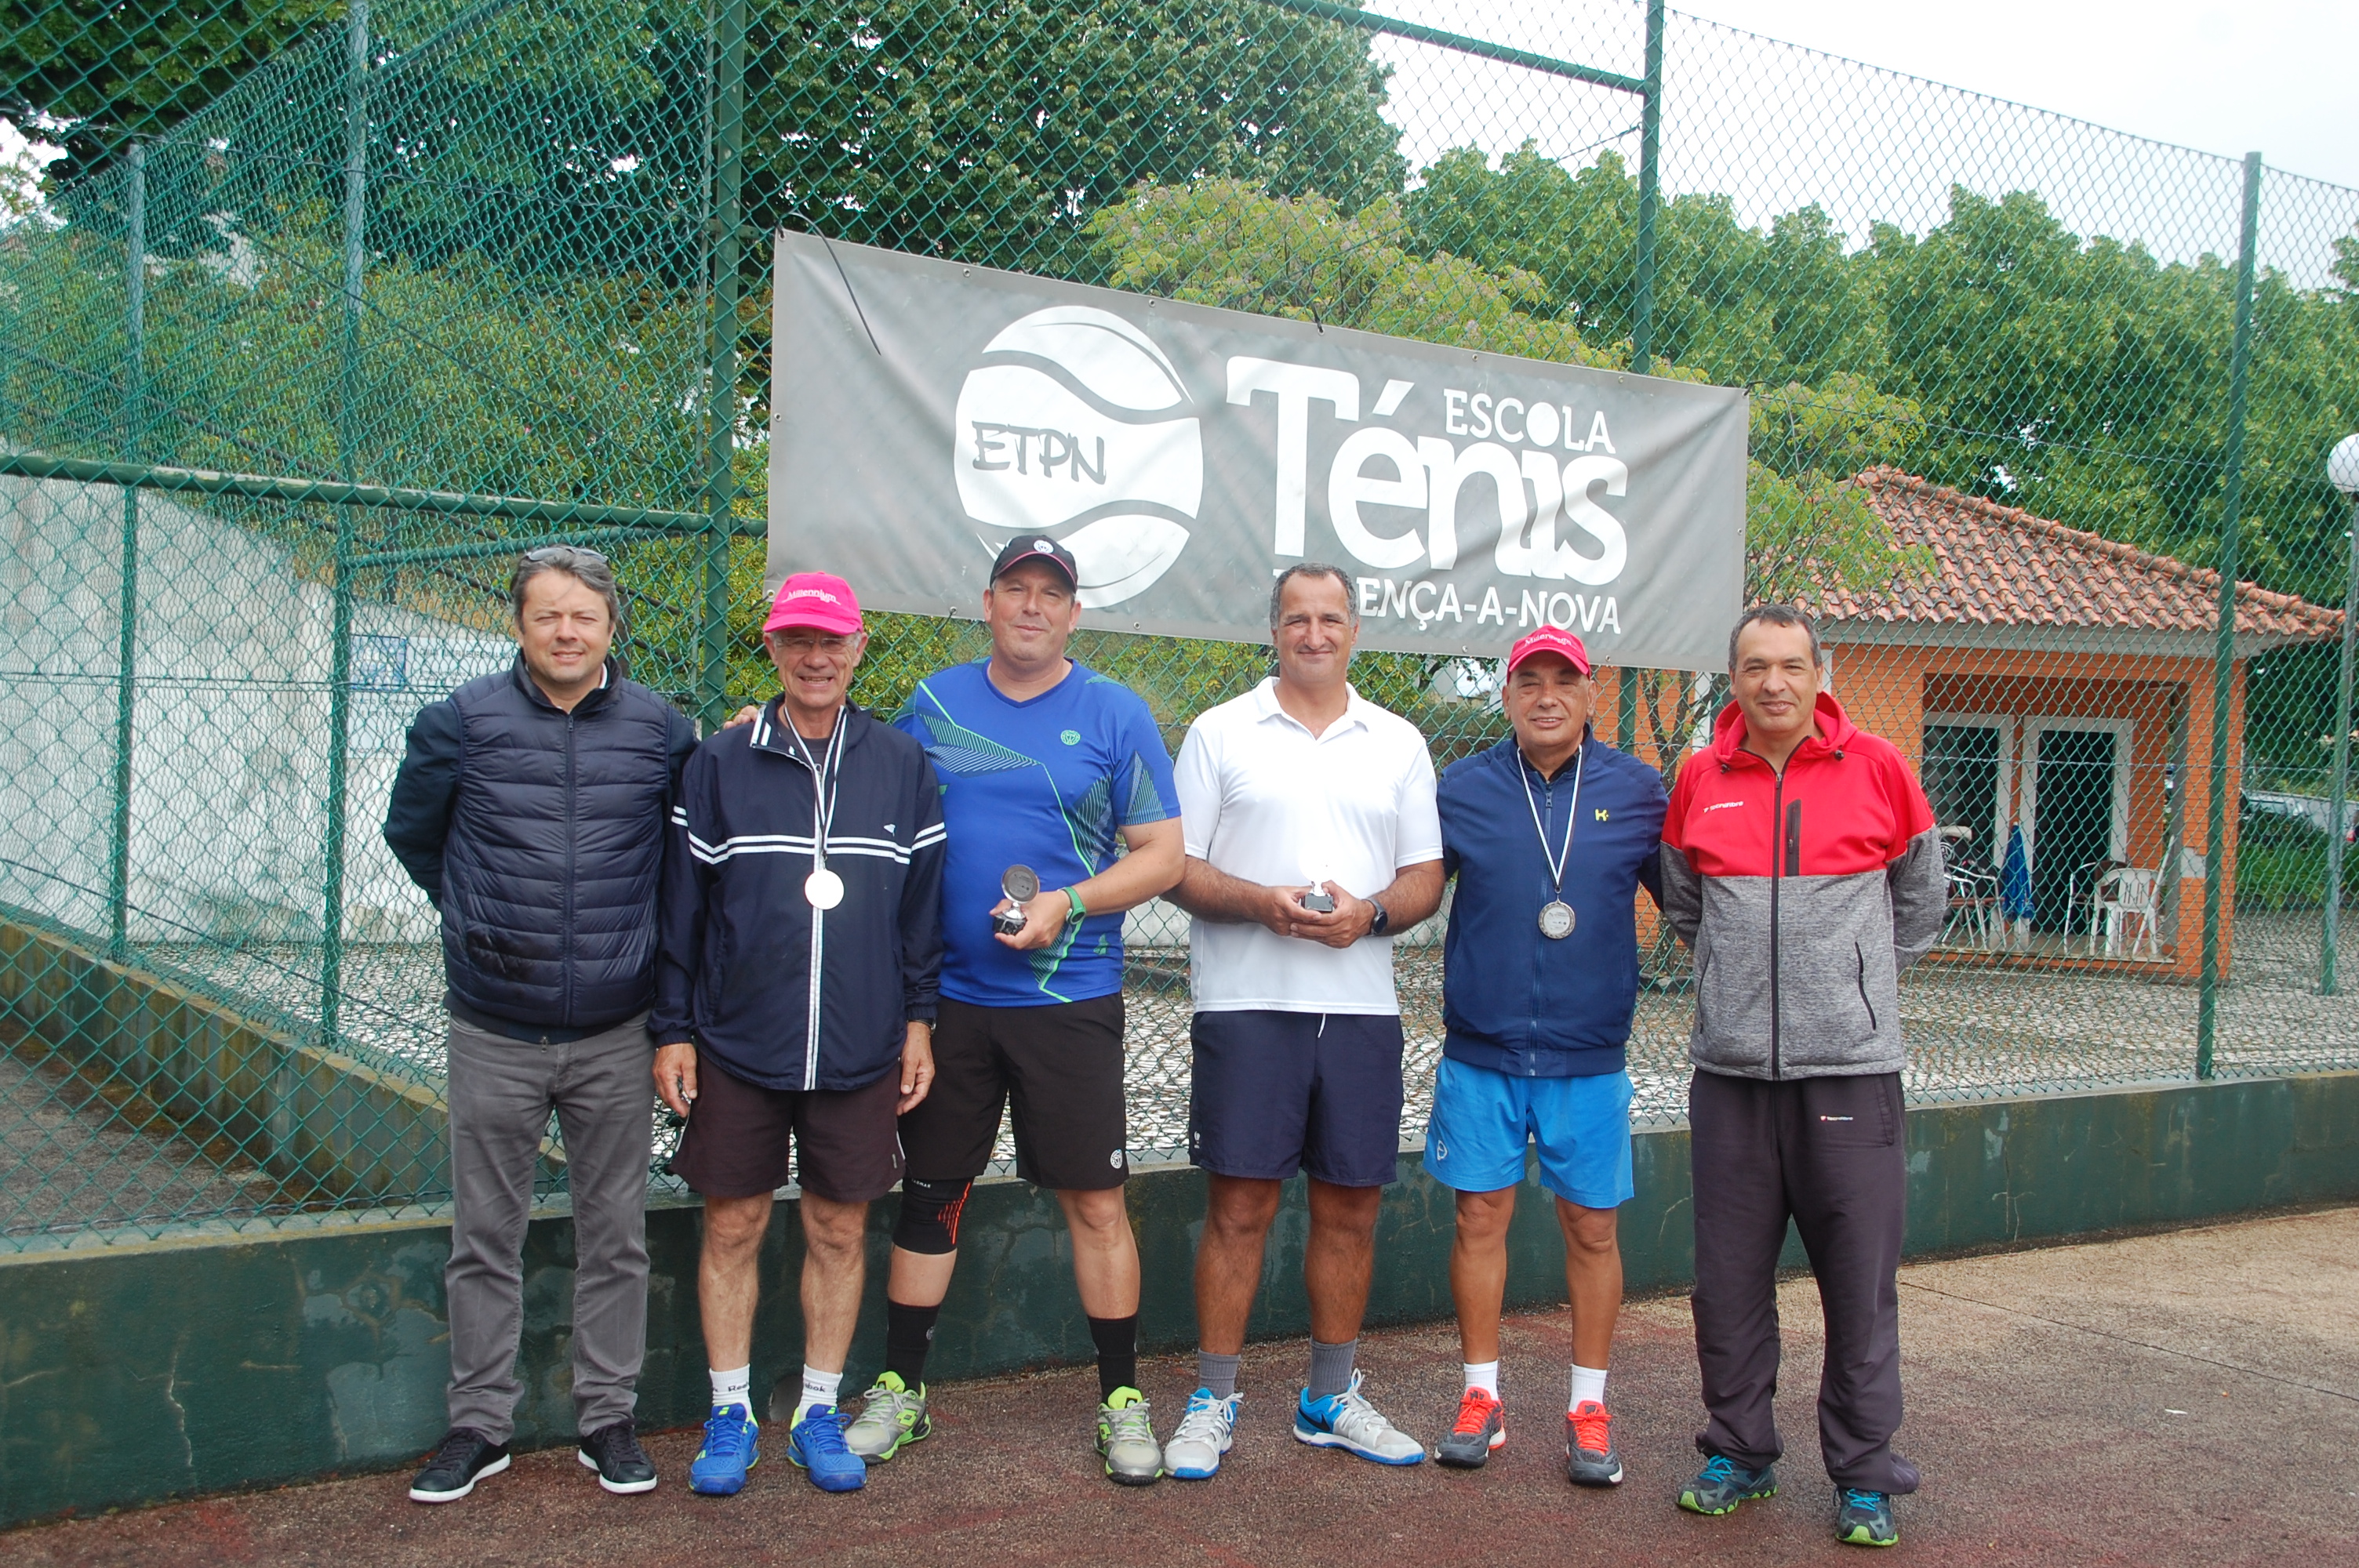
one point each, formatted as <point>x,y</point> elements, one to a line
<point>1550,834</point>
<point>794,1001</point>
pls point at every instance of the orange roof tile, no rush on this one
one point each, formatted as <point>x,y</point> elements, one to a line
<point>2000,565</point>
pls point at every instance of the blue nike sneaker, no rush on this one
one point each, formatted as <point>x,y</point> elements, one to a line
<point>730,1450</point>
<point>1348,1421</point>
<point>816,1443</point>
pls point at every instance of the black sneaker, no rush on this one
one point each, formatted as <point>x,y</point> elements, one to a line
<point>614,1453</point>
<point>465,1457</point>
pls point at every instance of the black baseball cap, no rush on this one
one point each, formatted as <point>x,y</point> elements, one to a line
<point>1035,547</point>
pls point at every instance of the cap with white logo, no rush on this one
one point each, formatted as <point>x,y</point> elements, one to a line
<point>1035,547</point>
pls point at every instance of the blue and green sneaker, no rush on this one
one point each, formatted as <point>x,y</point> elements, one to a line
<point>816,1443</point>
<point>730,1450</point>
<point>1864,1519</point>
<point>1722,1485</point>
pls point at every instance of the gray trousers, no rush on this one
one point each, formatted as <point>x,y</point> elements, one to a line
<point>1830,1154</point>
<point>500,1092</point>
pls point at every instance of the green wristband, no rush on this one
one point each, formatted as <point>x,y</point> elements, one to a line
<point>1079,912</point>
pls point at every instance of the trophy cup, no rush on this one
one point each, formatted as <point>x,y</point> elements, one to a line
<point>1316,871</point>
<point>1021,885</point>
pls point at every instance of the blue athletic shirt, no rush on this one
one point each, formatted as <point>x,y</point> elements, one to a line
<point>1048,783</point>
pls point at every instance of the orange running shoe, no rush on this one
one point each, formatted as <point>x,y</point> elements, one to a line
<point>1589,1459</point>
<point>1481,1426</point>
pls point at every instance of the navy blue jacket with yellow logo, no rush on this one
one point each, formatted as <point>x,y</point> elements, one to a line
<point>1515,1000</point>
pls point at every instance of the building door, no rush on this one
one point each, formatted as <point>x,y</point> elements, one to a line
<point>2072,823</point>
<point>1961,763</point>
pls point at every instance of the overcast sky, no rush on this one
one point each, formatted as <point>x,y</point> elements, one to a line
<point>2279,76</point>
<point>1757,116</point>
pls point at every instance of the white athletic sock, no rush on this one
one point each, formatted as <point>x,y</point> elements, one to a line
<point>819,1389</point>
<point>734,1387</point>
<point>1483,1375</point>
<point>1588,1383</point>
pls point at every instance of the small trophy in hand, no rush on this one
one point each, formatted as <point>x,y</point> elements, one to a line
<point>1020,885</point>
<point>1316,871</point>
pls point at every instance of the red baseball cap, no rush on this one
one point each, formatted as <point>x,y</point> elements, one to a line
<point>820,600</point>
<point>1549,640</point>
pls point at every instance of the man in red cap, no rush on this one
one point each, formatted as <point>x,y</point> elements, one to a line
<point>1550,834</point>
<point>795,1002</point>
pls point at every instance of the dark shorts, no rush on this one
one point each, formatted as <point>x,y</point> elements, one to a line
<point>735,1145</point>
<point>1058,1071</point>
<point>1273,1093</point>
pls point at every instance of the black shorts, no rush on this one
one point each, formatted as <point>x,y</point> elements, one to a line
<point>1062,1067</point>
<point>1273,1093</point>
<point>845,1142</point>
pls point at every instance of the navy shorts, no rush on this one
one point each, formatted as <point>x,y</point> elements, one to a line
<point>1273,1093</point>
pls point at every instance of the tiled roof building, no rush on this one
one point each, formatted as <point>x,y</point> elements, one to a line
<point>2007,578</point>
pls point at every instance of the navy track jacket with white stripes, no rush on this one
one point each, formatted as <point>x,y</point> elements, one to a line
<point>780,993</point>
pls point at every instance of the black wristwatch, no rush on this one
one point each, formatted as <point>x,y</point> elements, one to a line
<point>1382,922</point>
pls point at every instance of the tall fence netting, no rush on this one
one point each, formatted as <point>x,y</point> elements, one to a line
<point>311,314</point>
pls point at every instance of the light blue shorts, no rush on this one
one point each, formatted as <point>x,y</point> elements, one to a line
<point>1482,1121</point>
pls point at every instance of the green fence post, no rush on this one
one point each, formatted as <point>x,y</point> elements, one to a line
<point>135,393</point>
<point>727,137</point>
<point>2339,787</point>
<point>1626,701</point>
<point>1650,146</point>
<point>340,654</point>
<point>2224,656</point>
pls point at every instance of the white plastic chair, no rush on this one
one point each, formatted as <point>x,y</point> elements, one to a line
<point>2123,895</point>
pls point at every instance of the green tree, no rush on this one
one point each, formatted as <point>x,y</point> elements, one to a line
<point>134,68</point>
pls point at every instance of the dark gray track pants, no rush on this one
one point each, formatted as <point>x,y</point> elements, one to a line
<point>1831,1153</point>
<point>500,1092</point>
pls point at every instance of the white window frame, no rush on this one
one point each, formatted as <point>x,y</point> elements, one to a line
<point>1995,849</point>
<point>2125,734</point>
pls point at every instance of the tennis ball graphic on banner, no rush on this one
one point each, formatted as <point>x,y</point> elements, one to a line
<point>1074,424</point>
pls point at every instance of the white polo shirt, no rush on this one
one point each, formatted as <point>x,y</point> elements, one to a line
<point>1264,800</point>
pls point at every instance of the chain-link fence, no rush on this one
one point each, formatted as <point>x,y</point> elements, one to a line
<point>313,312</point>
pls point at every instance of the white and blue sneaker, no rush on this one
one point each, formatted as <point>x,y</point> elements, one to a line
<point>1202,1436</point>
<point>1348,1421</point>
<point>730,1450</point>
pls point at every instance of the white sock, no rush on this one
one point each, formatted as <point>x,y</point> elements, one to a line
<point>819,1389</point>
<point>734,1387</point>
<point>1588,1383</point>
<point>1483,1375</point>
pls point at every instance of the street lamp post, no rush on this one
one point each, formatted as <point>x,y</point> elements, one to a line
<point>2343,471</point>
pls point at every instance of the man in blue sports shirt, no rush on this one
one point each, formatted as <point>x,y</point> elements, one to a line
<point>1048,766</point>
<point>1550,834</point>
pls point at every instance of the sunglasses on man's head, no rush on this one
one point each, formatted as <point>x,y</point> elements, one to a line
<point>562,553</point>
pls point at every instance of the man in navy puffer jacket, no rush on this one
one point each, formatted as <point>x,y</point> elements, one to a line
<point>531,807</point>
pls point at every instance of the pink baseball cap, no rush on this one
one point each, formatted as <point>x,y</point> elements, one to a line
<point>1550,640</point>
<point>820,600</point>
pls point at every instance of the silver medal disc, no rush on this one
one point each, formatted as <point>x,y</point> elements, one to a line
<point>1556,920</point>
<point>823,889</point>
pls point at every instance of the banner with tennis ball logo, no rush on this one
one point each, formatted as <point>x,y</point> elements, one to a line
<point>925,413</point>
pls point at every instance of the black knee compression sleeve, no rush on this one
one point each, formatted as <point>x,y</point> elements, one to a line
<point>931,1212</point>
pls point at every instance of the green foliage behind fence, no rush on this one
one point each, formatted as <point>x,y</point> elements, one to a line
<point>516,248</point>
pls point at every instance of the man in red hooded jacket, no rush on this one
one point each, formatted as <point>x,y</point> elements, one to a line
<point>1801,865</point>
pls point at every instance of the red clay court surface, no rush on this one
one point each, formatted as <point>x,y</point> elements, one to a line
<point>2190,1397</point>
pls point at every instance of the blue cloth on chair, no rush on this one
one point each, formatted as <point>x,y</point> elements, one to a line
<point>2015,878</point>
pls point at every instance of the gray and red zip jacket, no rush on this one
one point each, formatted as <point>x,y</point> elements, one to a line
<point>1804,896</point>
